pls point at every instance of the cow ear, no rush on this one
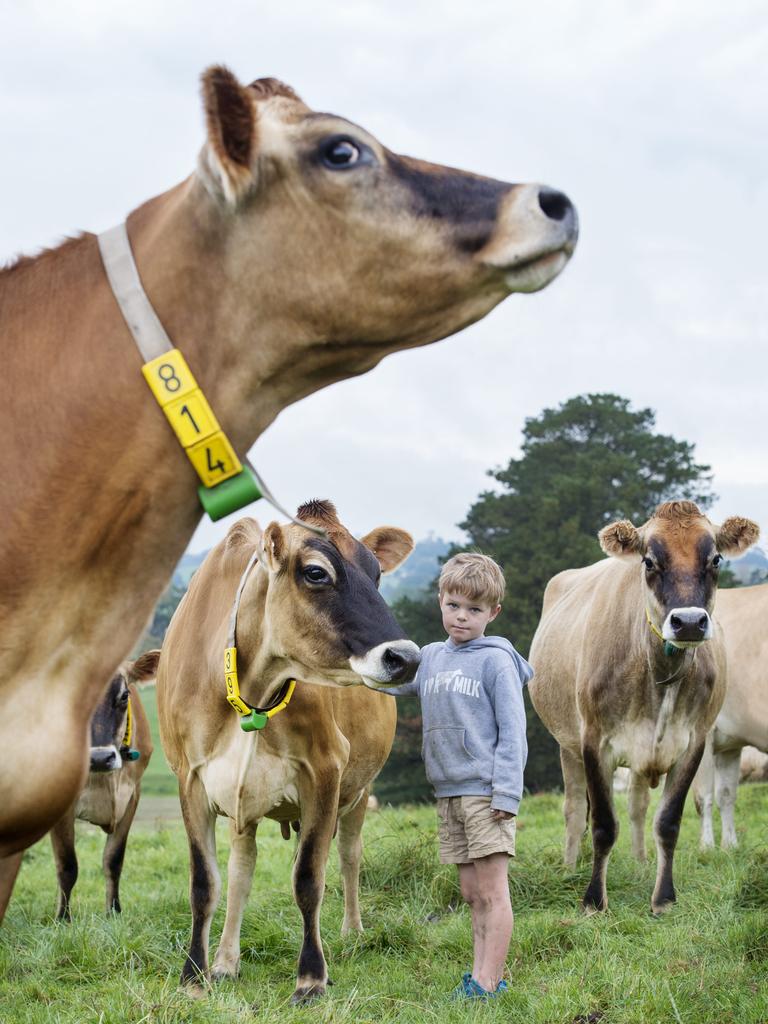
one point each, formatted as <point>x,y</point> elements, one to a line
<point>736,535</point>
<point>273,547</point>
<point>620,540</point>
<point>390,545</point>
<point>145,667</point>
<point>230,114</point>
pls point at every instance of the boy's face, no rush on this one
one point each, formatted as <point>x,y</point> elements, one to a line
<point>465,619</point>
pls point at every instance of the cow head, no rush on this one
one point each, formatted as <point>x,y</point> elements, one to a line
<point>679,551</point>
<point>361,246</point>
<point>110,717</point>
<point>323,611</point>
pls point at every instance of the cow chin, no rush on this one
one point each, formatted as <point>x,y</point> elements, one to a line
<point>389,664</point>
<point>536,274</point>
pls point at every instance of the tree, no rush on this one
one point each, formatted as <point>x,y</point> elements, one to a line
<point>587,462</point>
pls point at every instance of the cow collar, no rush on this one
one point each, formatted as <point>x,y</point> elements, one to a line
<point>127,752</point>
<point>670,650</point>
<point>251,718</point>
<point>226,484</point>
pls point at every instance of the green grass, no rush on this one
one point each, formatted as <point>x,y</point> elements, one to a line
<point>707,960</point>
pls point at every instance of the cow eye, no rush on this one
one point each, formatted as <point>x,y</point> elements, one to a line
<point>316,574</point>
<point>340,153</point>
<point>648,563</point>
<point>716,561</point>
<point>123,698</point>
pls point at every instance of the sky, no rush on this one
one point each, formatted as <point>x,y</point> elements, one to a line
<point>652,117</point>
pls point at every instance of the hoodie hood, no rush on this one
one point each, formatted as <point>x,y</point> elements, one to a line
<point>524,670</point>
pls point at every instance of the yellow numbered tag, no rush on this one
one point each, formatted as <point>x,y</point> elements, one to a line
<point>230,678</point>
<point>169,377</point>
<point>214,459</point>
<point>192,418</point>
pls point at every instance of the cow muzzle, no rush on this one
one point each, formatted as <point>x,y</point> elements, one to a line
<point>535,237</point>
<point>389,664</point>
<point>105,759</point>
<point>687,627</point>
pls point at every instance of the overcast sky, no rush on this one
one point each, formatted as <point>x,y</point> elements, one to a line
<point>653,117</point>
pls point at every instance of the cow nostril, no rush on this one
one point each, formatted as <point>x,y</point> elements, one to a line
<point>394,660</point>
<point>556,205</point>
<point>676,622</point>
<point>703,623</point>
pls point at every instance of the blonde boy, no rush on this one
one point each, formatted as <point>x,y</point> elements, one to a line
<point>471,692</point>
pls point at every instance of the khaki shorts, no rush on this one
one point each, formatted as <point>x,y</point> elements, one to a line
<point>467,831</point>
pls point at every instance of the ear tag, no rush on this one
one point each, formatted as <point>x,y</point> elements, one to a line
<point>131,755</point>
<point>253,722</point>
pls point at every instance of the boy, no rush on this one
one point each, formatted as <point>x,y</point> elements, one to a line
<point>470,688</point>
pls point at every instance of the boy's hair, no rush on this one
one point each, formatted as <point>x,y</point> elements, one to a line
<point>474,576</point>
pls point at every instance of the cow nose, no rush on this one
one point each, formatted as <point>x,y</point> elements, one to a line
<point>104,759</point>
<point>401,662</point>
<point>689,624</point>
<point>556,205</point>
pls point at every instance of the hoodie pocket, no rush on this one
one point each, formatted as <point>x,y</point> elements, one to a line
<point>446,757</point>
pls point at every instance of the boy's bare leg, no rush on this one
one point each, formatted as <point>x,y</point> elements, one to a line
<point>487,892</point>
<point>468,885</point>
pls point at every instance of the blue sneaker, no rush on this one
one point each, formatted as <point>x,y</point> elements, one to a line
<point>476,991</point>
<point>462,991</point>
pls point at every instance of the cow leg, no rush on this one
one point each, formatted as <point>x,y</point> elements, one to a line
<point>574,804</point>
<point>638,798</point>
<point>9,868</point>
<point>703,795</point>
<point>727,769</point>
<point>319,798</point>
<point>204,879</point>
<point>350,843</point>
<point>666,825</point>
<point>605,825</point>
<point>242,861</point>
<point>65,858</point>
<point>114,855</point>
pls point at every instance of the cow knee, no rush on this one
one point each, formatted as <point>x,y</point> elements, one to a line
<point>668,829</point>
<point>604,834</point>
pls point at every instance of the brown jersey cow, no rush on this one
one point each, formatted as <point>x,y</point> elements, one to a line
<point>310,610</point>
<point>300,252</point>
<point>121,746</point>
<point>743,718</point>
<point>629,669</point>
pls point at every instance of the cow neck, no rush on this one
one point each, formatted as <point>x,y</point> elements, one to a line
<point>670,654</point>
<point>244,485</point>
<point>252,718</point>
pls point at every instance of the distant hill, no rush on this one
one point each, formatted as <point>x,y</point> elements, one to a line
<point>417,572</point>
<point>750,568</point>
<point>182,574</point>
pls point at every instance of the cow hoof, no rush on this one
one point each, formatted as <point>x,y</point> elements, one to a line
<point>194,990</point>
<point>307,993</point>
<point>224,973</point>
<point>658,909</point>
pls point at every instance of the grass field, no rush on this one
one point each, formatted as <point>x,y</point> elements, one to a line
<point>705,961</point>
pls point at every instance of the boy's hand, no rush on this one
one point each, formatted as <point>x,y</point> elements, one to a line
<point>501,815</point>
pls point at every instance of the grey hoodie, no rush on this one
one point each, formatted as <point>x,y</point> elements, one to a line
<point>473,718</point>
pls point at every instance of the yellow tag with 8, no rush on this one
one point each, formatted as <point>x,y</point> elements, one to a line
<point>230,678</point>
<point>169,377</point>
<point>214,459</point>
<point>192,418</point>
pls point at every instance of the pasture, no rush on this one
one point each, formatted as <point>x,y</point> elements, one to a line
<point>706,960</point>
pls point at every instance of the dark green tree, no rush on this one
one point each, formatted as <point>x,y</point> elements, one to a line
<point>587,462</point>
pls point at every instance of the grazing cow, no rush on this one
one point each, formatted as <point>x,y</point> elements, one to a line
<point>309,610</point>
<point>300,252</point>
<point>630,669</point>
<point>743,718</point>
<point>121,746</point>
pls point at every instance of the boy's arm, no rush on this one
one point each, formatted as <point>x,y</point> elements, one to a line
<point>399,691</point>
<point>511,748</point>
